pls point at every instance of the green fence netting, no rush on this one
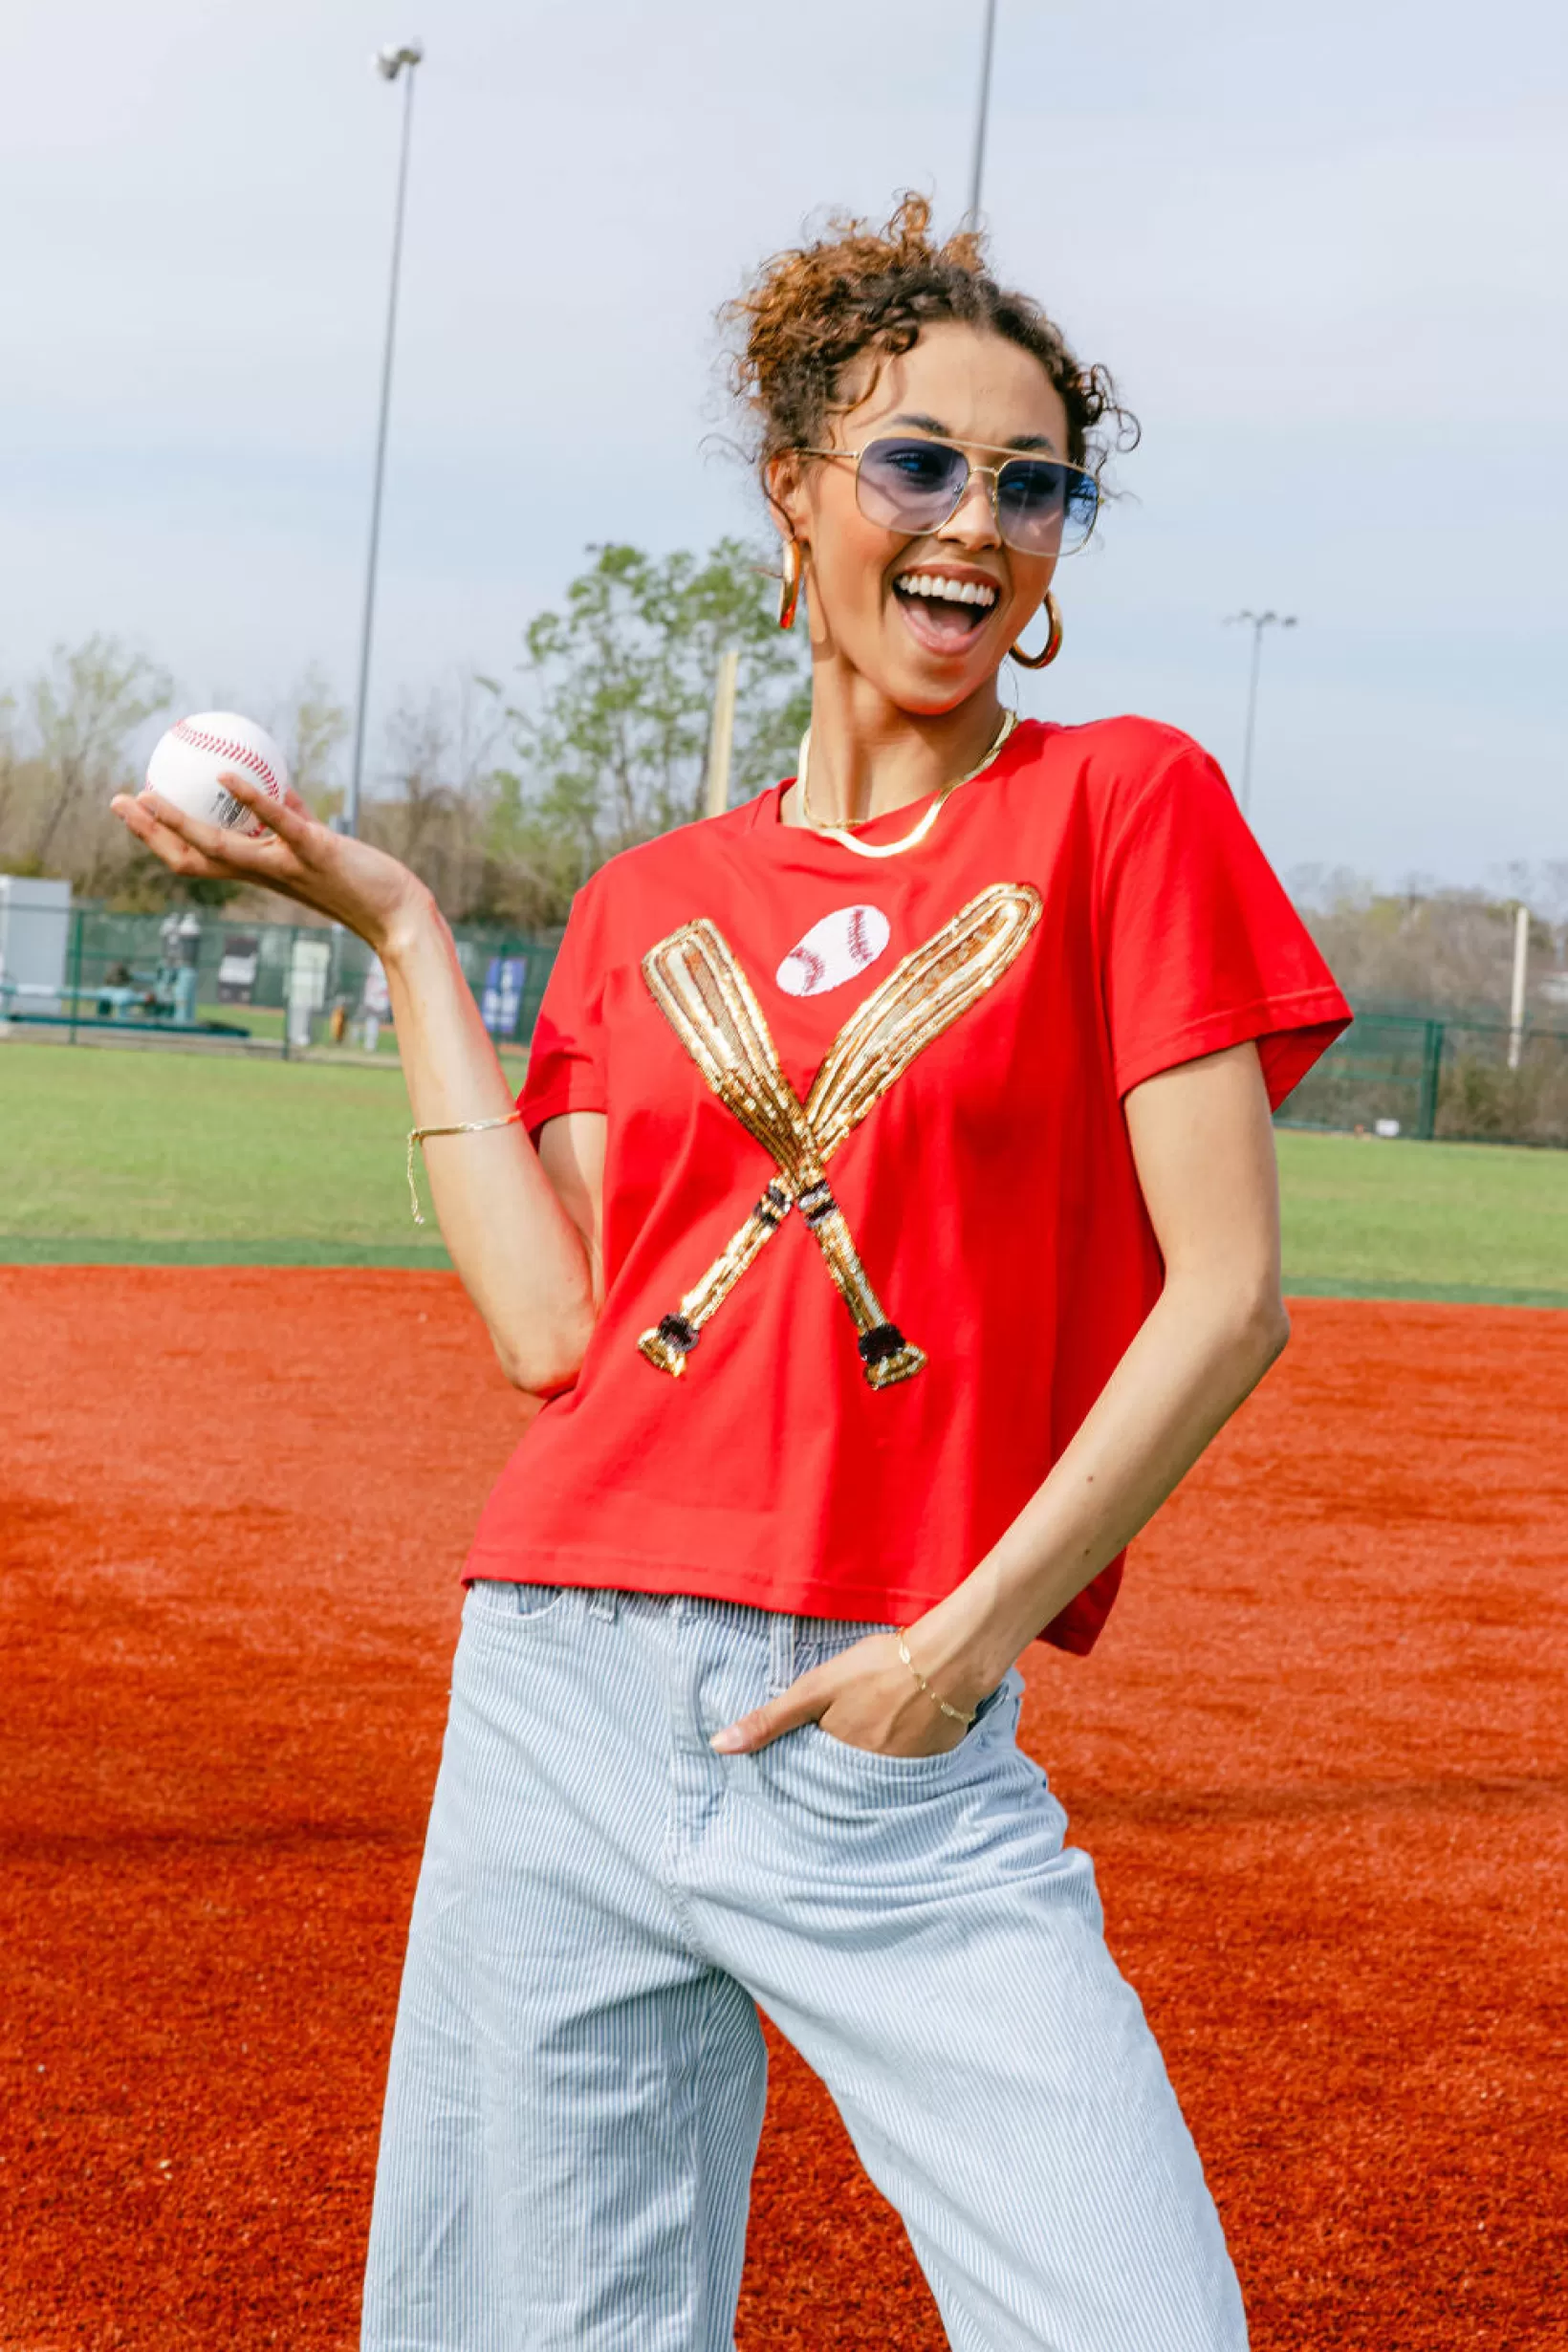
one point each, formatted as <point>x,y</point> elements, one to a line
<point>1433,1077</point>
<point>281,984</point>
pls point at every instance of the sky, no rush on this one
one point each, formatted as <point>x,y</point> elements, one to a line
<point>1322,251</point>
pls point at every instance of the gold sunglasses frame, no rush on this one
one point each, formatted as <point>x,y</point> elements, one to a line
<point>992,474</point>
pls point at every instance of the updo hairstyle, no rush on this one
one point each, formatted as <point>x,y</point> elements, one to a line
<point>811,313</point>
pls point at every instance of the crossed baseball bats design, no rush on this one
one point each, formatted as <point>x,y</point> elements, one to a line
<point>708,1002</point>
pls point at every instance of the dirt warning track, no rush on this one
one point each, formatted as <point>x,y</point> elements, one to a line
<point>1321,1758</point>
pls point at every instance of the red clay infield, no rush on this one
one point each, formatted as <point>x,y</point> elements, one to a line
<point>1320,1758</point>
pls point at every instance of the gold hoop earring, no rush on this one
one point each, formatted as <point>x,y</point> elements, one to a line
<point>1052,642</point>
<point>789,584</point>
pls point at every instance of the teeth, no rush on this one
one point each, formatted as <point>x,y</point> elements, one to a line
<point>951,590</point>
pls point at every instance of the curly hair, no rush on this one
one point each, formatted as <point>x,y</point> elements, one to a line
<point>811,313</point>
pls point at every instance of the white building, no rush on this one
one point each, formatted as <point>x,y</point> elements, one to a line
<point>35,935</point>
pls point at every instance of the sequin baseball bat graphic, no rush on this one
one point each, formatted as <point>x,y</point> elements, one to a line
<point>707,1000</point>
<point>711,1005</point>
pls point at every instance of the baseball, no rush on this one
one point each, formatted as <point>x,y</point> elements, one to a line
<point>190,758</point>
<point>833,951</point>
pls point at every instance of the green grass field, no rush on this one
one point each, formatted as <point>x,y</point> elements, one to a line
<point>147,1155</point>
<point>139,1154</point>
<point>1406,1220</point>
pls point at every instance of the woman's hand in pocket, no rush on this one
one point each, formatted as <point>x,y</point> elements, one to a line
<point>865,1697</point>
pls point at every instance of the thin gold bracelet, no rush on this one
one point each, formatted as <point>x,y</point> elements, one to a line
<point>464,1127</point>
<point>935,1697</point>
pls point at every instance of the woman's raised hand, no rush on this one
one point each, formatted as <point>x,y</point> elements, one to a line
<point>299,855</point>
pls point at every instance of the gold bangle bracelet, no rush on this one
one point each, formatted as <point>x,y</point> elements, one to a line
<point>464,1127</point>
<point>936,1698</point>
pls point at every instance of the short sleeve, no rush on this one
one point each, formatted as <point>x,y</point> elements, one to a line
<point>566,1056</point>
<point>1200,947</point>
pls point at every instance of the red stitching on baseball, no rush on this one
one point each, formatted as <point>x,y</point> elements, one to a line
<point>242,753</point>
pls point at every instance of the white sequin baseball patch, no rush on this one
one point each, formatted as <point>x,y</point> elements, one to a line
<point>833,951</point>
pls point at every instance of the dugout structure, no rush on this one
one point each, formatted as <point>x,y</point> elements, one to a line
<point>115,985</point>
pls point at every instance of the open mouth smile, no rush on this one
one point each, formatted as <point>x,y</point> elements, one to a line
<point>944,613</point>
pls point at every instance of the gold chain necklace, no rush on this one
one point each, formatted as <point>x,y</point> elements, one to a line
<point>917,832</point>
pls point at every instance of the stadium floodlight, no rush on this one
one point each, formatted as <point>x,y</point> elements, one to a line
<point>388,63</point>
<point>1258,622</point>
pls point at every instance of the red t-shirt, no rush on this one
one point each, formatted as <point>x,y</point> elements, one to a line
<point>849,1326</point>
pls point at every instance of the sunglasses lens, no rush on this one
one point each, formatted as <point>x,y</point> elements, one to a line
<point>1046,509</point>
<point>910,485</point>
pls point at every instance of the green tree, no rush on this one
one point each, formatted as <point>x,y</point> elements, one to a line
<point>84,709</point>
<point>10,759</point>
<point>312,729</point>
<point>610,725</point>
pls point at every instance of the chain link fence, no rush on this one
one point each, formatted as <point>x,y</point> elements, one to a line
<point>198,975</point>
<point>1465,1082</point>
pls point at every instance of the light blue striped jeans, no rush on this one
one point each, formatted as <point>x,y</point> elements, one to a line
<point>577,2073</point>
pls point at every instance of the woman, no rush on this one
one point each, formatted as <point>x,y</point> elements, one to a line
<point>890,1225</point>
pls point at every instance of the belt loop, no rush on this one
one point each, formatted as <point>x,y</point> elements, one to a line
<point>604,1604</point>
<point>781,1640</point>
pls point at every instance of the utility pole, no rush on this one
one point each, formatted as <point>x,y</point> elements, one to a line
<point>977,162</point>
<point>389,63</point>
<point>1516,1009</point>
<point>720,733</point>
<point>1258,621</point>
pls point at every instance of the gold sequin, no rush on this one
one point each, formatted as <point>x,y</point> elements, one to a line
<point>708,1002</point>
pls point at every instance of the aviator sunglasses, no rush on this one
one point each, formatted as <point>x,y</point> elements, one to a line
<point>1042,506</point>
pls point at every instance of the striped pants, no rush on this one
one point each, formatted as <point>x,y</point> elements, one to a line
<point>577,2073</point>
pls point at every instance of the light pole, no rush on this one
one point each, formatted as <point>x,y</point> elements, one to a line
<point>389,63</point>
<point>977,162</point>
<point>1259,621</point>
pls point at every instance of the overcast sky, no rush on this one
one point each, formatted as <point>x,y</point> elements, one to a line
<point>1323,249</point>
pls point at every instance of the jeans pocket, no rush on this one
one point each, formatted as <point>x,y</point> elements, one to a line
<point>493,1598</point>
<point>916,1771</point>
<point>909,1770</point>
